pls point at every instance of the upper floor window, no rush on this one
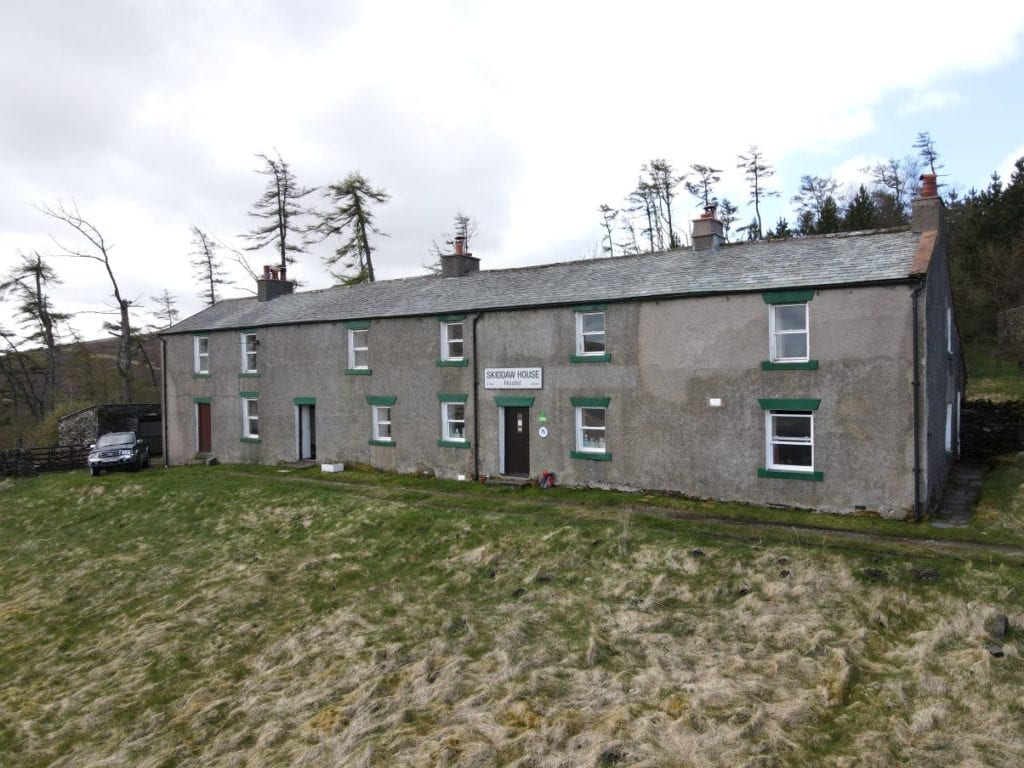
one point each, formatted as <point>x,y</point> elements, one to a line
<point>359,348</point>
<point>788,330</point>
<point>452,341</point>
<point>249,348</point>
<point>591,342</point>
<point>201,354</point>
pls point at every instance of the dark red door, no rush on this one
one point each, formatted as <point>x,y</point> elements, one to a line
<point>205,428</point>
<point>517,442</point>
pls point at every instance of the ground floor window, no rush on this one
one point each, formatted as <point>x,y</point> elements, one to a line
<point>453,422</point>
<point>250,417</point>
<point>590,430</point>
<point>382,423</point>
<point>790,444</point>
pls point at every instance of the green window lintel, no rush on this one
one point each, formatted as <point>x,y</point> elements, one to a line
<point>810,365</point>
<point>453,363</point>
<point>590,308</point>
<point>783,475</point>
<point>590,456</point>
<point>452,397</point>
<point>513,402</point>
<point>357,325</point>
<point>381,399</point>
<point>252,375</point>
<point>202,400</point>
<point>785,404</point>
<point>245,331</point>
<point>358,371</point>
<point>304,401</point>
<point>450,318</point>
<point>453,443</point>
<point>590,402</point>
<point>201,334</point>
<point>604,358</point>
<point>249,395</point>
<point>383,443</point>
<point>786,297</point>
<point>249,439</point>
<point>201,376</point>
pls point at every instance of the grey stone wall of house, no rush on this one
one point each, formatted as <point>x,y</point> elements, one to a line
<point>85,426</point>
<point>943,379</point>
<point>668,359</point>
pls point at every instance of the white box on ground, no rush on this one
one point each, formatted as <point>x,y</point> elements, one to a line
<point>332,467</point>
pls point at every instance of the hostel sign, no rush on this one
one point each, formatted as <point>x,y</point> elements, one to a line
<point>513,378</point>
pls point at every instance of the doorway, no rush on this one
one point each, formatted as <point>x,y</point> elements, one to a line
<point>517,441</point>
<point>306,431</point>
<point>204,428</point>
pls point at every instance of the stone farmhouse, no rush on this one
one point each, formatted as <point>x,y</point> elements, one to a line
<point>819,372</point>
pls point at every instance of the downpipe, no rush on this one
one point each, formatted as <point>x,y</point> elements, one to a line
<point>915,296</point>
<point>476,403</point>
<point>163,398</point>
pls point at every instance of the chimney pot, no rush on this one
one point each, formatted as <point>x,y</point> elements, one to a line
<point>460,245</point>
<point>929,185</point>
<point>266,271</point>
<point>283,274</point>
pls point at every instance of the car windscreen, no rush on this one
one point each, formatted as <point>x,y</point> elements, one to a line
<point>115,438</point>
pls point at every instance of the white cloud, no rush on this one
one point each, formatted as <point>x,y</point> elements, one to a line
<point>930,101</point>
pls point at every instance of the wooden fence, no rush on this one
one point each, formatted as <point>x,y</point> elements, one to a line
<point>30,461</point>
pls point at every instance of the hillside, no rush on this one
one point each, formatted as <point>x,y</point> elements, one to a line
<point>230,616</point>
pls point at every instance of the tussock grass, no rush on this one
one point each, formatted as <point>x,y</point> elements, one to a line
<point>199,618</point>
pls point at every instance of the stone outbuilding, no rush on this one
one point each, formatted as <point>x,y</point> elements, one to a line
<point>83,427</point>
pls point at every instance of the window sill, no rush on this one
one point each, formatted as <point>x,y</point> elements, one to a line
<point>250,440</point>
<point>453,444</point>
<point>807,365</point>
<point>358,371</point>
<point>384,443</point>
<point>198,375</point>
<point>248,375</point>
<point>780,474</point>
<point>452,363</point>
<point>591,455</point>
<point>603,358</point>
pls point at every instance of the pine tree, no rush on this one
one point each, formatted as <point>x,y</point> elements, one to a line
<point>608,215</point>
<point>727,215</point>
<point>280,209</point>
<point>703,187</point>
<point>756,172</point>
<point>351,217</point>
<point>926,151</point>
<point>860,213</point>
<point>464,227</point>
<point>210,272</point>
<point>829,220</point>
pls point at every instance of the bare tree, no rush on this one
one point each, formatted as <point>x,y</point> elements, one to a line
<point>703,187</point>
<point>896,179</point>
<point>756,171</point>
<point>663,180</point>
<point>279,207</point>
<point>166,311</point>
<point>608,215</point>
<point>96,249</point>
<point>644,200</point>
<point>210,268</point>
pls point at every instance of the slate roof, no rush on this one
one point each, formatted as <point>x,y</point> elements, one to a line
<point>810,262</point>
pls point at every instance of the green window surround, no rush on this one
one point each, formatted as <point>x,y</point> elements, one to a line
<point>249,439</point>
<point>590,308</point>
<point>810,365</point>
<point>242,331</point>
<point>507,401</point>
<point>786,297</point>
<point>248,375</point>
<point>249,395</point>
<point>202,400</point>
<point>357,325</point>
<point>453,443</point>
<point>201,376</point>
<point>782,404</point>
<point>605,358</point>
<point>588,456</point>
<point>358,371</point>
<point>383,443</point>
<point>388,400</point>
<point>304,401</point>
<point>451,397</point>
<point>450,318</point>
<point>452,363</point>
<point>590,402</point>
<point>782,475</point>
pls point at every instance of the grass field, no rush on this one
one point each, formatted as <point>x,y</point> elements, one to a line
<point>991,377</point>
<point>228,617</point>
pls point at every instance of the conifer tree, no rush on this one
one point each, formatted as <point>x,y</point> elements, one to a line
<point>280,209</point>
<point>351,218</point>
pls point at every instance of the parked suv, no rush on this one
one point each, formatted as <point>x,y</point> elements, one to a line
<point>118,450</point>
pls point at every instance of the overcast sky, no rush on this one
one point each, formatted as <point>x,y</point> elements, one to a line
<point>526,116</point>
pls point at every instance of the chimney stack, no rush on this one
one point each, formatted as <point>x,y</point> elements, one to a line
<point>928,212</point>
<point>459,263</point>
<point>708,233</point>
<point>273,283</point>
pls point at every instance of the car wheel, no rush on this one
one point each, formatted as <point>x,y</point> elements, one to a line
<point>93,472</point>
<point>145,464</point>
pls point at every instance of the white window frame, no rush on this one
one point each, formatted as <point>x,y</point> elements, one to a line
<point>250,352</point>
<point>581,430</point>
<point>447,422</point>
<point>381,419</point>
<point>949,428</point>
<point>775,354</point>
<point>771,441</point>
<point>353,349</point>
<point>251,420</point>
<point>949,330</point>
<point>447,340</point>
<point>581,335</point>
<point>201,354</point>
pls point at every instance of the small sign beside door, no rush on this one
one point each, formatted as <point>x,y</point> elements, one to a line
<point>513,378</point>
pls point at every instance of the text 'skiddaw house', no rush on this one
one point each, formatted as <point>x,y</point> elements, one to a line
<point>819,372</point>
